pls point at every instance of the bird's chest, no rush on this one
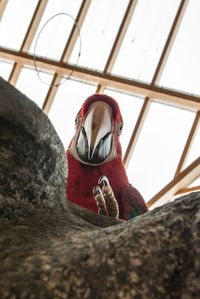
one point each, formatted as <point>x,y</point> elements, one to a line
<point>83,178</point>
<point>80,186</point>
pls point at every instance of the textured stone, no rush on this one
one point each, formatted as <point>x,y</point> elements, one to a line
<point>50,248</point>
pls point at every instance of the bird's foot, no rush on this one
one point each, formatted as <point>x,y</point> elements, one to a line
<point>105,198</point>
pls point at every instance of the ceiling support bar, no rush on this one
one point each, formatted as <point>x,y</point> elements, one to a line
<point>136,131</point>
<point>3,4</point>
<point>118,40</point>
<point>163,95</point>
<point>188,190</point>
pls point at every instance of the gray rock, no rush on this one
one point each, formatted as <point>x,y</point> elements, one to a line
<point>50,248</point>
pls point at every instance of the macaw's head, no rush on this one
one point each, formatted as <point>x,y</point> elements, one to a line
<point>98,127</point>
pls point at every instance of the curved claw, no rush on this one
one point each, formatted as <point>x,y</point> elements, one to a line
<point>96,190</point>
<point>104,180</point>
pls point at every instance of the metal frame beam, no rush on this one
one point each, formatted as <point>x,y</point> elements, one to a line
<point>120,36</point>
<point>136,131</point>
<point>188,190</point>
<point>3,4</point>
<point>118,40</point>
<point>162,95</point>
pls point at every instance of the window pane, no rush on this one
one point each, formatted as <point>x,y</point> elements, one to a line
<point>15,22</point>
<point>5,69</point>
<point>145,39</point>
<point>67,103</point>
<point>32,87</point>
<point>159,147</point>
<point>130,107</point>
<point>54,35</point>
<point>195,183</point>
<point>195,149</point>
<point>182,71</point>
<point>99,31</point>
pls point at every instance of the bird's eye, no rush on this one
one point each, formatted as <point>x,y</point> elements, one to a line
<point>77,121</point>
<point>119,128</point>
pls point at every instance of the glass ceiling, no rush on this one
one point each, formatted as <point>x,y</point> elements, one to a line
<point>158,148</point>
<point>182,71</point>
<point>15,22</point>
<point>122,46</point>
<point>195,149</point>
<point>5,69</point>
<point>49,43</point>
<point>30,85</point>
<point>145,39</point>
<point>98,32</point>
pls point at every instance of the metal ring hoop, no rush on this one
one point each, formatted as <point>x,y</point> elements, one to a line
<point>35,47</point>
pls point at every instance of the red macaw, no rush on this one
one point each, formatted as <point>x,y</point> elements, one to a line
<point>95,157</point>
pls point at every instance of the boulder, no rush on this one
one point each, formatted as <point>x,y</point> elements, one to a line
<point>50,248</point>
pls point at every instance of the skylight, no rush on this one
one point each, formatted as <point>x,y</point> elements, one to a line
<point>98,32</point>
<point>195,149</point>
<point>130,107</point>
<point>54,28</point>
<point>145,39</point>
<point>182,70</point>
<point>31,86</point>
<point>15,21</point>
<point>5,69</point>
<point>159,147</point>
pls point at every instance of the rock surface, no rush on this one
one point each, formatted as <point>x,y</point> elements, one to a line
<point>50,248</point>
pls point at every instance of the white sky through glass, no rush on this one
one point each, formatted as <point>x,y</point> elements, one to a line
<point>15,21</point>
<point>195,183</point>
<point>98,32</point>
<point>130,107</point>
<point>182,70</point>
<point>195,149</point>
<point>5,69</point>
<point>159,147</point>
<point>145,39</point>
<point>32,87</point>
<point>54,35</point>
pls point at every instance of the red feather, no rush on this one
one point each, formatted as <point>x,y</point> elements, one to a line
<point>82,177</point>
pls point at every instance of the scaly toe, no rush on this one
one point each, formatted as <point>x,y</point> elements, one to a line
<point>103,180</point>
<point>97,190</point>
<point>100,200</point>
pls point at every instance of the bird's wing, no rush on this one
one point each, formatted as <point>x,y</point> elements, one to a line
<point>132,202</point>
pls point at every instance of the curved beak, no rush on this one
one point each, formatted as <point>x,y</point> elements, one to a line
<point>94,142</point>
